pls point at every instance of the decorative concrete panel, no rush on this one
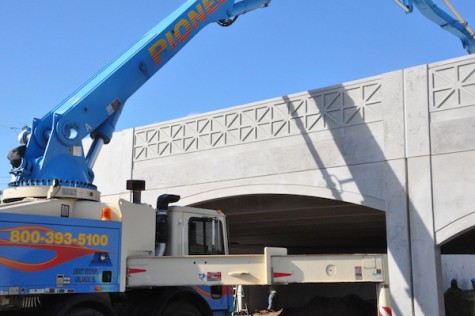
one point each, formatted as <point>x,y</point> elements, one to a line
<point>452,106</point>
<point>452,85</point>
<point>318,110</point>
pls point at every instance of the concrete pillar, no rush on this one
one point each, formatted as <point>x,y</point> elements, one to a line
<point>427,276</point>
<point>399,256</point>
<point>395,195</point>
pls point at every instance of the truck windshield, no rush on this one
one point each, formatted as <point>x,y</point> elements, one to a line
<point>205,236</point>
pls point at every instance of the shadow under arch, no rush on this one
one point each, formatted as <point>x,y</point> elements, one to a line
<point>303,219</point>
<point>288,189</point>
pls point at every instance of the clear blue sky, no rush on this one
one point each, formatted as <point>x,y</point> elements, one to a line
<point>50,47</point>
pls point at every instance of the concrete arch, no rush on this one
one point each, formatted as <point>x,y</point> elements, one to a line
<point>301,218</point>
<point>289,189</point>
<point>455,229</point>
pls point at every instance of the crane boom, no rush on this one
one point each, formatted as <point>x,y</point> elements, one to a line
<point>53,145</point>
<point>456,26</point>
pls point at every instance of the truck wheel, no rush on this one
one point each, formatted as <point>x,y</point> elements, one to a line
<point>81,305</point>
<point>181,308</point>
<point>84,311</point>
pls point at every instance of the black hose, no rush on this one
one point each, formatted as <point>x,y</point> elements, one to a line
<point>227,22</point>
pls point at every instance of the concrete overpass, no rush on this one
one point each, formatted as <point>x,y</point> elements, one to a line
<point>382,164</point>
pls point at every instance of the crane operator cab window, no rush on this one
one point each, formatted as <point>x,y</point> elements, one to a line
<point>205,236</point>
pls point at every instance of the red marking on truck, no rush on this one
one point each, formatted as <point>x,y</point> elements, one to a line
<point>23,227</point>
<point>201,291</point>
<point>63,253</point>
<point>134,270</point>
<point>213,276</point>
<point>281,274</point>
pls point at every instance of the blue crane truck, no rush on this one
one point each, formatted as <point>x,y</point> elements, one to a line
<point>66,252</point>
<point>63,251</point>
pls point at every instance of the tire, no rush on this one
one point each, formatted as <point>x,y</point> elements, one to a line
<point>84,311</point>
<point>81,305</point>
<point>180,308</point>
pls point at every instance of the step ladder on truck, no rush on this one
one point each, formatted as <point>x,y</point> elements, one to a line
<point>240,306</point>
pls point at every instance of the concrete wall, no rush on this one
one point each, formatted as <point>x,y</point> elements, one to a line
<point>452,117</point>
<point>402,142</point>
